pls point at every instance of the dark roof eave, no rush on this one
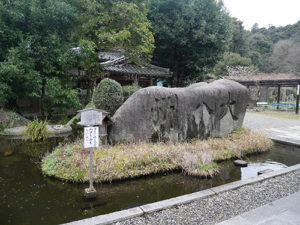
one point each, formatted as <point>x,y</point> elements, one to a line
<point>138,73</point>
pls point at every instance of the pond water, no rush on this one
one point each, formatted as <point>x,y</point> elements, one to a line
<point>27,197</point>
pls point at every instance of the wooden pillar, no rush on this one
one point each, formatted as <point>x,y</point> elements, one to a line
<point>278,96</point>
<point>263,94</point>
<point>297,101</point>
<point>136,79</point>
<point>151,81</point>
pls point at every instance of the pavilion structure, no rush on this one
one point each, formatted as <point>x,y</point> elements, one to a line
<point>126,73</point>
<point>270,80</point>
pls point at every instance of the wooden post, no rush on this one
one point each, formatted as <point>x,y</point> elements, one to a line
<point>136,79</point>
<point>278,97</point>
<point>297,101</point>
<point>91,168</point>
<point>151,81</point>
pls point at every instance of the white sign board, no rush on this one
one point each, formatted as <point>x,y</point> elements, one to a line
<point>298,89</point>
<point>91,137</point>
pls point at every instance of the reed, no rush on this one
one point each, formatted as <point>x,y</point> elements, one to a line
<point>36,130</point>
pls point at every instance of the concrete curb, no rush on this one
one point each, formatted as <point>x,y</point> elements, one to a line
<point>157,206</point>
<point>284,141</point>
<point>172,202</point>
<point>236,184</point>
<point>110,218</point>
<point>279,139</point>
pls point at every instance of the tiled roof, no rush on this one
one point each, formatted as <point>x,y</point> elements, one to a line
<point>111,57</point>
<point>149,70</point>
<point>114,61</point>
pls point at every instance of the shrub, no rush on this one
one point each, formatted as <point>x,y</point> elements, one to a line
<point>108,95</point>
<point>61,96</point>
<point>128,90</point>
<point>36,130</point>
<point>2,127</point>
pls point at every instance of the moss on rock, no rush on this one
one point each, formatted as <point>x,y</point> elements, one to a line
<point>9,119</point>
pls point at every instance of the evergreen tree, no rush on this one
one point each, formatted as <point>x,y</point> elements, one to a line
<point>35,43</point>
<point>191,36</point>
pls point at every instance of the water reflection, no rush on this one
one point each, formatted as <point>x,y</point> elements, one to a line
<point>253,168</point>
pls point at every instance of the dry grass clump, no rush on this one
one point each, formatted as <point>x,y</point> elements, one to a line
<point>196,158</point>
<point>199,164</point>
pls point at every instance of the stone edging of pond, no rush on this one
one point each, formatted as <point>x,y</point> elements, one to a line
<point>54,131</point>
<point>184,199</point>
<point>283,140</point>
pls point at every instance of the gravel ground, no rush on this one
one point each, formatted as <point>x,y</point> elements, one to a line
<point>226,205</point>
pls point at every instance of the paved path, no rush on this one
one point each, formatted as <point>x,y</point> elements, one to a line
<point>278,129</point>
<point>284,211</point>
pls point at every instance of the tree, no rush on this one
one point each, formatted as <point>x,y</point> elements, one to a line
<point>238,42</point>
<point>260,48</point>
<point>34,43</point>
<point>273,49</point>
<point>254,28</point>
<point>88,60</point>
<point>257,60</point>
<point>60,95</point>
<point>10,30</point>
<point>111,25</point>
<point>260,43</point>
<point>285,57</point>
<point>191,35</point>
<point>117,24</point>
<point>18,76</point>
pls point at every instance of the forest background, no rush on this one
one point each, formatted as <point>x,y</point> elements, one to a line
<point>194,38</point>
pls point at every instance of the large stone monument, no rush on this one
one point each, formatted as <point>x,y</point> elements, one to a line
<point>198,111</point>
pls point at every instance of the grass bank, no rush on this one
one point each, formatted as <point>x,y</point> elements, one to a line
<point>287,115</point>
<point>197,158</point>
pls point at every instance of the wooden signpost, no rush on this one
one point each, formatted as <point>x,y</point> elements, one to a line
<point>91,119</point>
<point>297,101</point>
<point>91,140</point>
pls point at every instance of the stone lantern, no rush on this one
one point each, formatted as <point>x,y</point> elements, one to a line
<point>95,117</point>
<point>90,117</point>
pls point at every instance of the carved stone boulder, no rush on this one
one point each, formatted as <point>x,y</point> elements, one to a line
<point>199,111</point>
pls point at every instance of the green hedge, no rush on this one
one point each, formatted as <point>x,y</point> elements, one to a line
<point>129,90</point>
<point>108,95</point>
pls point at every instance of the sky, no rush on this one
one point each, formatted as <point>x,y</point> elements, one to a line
<point>264,12</point>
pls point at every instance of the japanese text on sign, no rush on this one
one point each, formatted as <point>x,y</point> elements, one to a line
<point>91,137</point>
